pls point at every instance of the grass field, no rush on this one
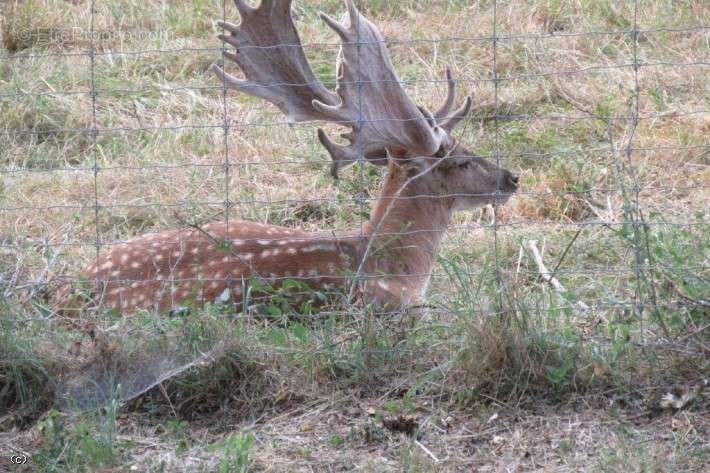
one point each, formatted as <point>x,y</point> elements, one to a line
<point>500,372</point>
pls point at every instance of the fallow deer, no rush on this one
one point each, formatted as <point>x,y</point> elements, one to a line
<point>429,177</point>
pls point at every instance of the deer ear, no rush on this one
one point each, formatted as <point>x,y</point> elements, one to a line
<point>411,165</point>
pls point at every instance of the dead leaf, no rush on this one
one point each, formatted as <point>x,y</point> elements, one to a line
<point>678,399</point>
<point>307,427</point>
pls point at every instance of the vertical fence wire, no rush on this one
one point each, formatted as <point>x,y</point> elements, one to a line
<point>94,138</point>
<point>360,281</point>
<point>225,136</point>
<point>643,266</point>
<point>497,158</point>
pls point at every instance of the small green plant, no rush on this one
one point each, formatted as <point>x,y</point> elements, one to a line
<point>236,450</point>
<point>561,375</point>
<point>85,443</point>
<point>392,406</point>
<point>24,377</point>
<point>55,444</point>
<point>178,429</point>
<point>290,297</point>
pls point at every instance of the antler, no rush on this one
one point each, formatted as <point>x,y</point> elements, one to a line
<point>369,97</point>
<point>443,119</point>
<point>269,52</point>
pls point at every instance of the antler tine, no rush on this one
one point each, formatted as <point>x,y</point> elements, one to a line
<point>444,117</point>
<point>459,114</point>
<point>443,112</point>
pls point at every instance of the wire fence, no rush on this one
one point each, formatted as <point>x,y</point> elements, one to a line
<point>605,239</point>
<point>622,151</point>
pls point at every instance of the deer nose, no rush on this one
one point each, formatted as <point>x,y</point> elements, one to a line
<point>513,179</point>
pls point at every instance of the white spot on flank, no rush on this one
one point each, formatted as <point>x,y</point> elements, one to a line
<point>107,265</point>
<point>195,250</point>
<point>214,284</point>
<point>384,285</point>
<point>226,259</point>
<point>264,242</point>
<point>246,256</point>
<point>177,254</point>
<point>158,257</point>
<point>313,272</point>
<point>116,274</point>
<point>135,265</point>
<point>124,258</point>
<point>265,254</point>
<point>224,297</point>
<point>237,242</point>
<point>319,247</point>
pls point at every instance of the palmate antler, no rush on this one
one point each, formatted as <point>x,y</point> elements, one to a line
<point>368,98</point>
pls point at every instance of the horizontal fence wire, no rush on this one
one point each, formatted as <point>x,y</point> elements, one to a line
<point>620,154</point>
<point>203,88</point>
<point>325,161</point>
<point>558,34</point>
<point>650,116</point>
<point>370,199</point>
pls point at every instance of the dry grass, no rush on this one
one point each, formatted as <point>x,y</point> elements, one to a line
<point>513,382</point>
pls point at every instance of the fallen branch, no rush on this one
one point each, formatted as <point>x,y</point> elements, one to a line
<point>549,277</point>
<point>427,451</point>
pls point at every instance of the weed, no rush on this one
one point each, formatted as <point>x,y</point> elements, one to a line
<point>236,450</point>
<point>79,444</point>
<point>27,379</point>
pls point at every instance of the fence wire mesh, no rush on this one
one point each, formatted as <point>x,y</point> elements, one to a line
<point>106,137</point>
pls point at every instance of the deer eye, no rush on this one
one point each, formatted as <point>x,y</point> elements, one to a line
<point>464,164</point>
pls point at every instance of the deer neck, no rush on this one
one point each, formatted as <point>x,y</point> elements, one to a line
<point>407,226</point>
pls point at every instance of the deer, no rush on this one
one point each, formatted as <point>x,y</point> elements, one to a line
<point>387,262</point>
